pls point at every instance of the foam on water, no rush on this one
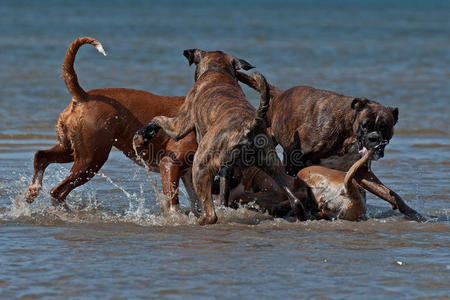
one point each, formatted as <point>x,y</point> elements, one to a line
<point>86,207</point>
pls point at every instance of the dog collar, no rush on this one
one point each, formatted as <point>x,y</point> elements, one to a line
<point>219,69</point>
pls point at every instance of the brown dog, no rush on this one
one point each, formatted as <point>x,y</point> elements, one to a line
<point>227,127</point>
<point>97,120</point>
<point>332,130</point>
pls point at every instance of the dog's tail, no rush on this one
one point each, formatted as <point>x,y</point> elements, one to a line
<point>251,82</point>
<point>264,89</point>
<point>353,169</point>
<point>70,77</point>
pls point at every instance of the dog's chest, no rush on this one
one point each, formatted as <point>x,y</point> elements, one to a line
<point>342,162</point>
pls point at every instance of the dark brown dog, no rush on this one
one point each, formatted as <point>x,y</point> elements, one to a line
<point>227,127</point>
<point>97,120</point>
<point>329,129</point>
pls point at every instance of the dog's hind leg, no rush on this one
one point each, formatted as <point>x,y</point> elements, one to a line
<point>202,186</point>
<point>82,171</point>
<point>91,150</point>
<point>42,158</point>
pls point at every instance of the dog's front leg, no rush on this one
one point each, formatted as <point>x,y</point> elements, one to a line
<point>170,174</point>
<point>370,182</point>
<point>42,159</point>
<point>177,128</point>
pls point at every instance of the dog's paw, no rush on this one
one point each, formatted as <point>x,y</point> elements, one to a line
<point>33,192</point>
<point>207,220</point>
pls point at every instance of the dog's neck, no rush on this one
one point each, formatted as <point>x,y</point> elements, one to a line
<point>220,70</point>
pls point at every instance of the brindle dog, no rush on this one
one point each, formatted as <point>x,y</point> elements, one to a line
<point>228,129</point>
<point>332,130</point>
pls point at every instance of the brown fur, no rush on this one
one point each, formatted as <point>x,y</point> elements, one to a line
<point>322,124</point>
<point>97,120</point>
<point>224,121</point>
<point>335,194</point>
<point>327,128</point>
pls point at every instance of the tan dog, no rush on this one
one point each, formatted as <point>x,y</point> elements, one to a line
<point>228,128</point>
<point>336,194</point>
<point>97,120</point>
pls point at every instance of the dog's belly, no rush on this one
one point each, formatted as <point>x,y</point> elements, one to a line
<point>329,197</point>
<point>342,162</point>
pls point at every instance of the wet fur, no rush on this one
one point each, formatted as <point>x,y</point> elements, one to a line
<point>322,125</point>
<point>217,109</point>
<point>97,120</point>
<point>327,128</point>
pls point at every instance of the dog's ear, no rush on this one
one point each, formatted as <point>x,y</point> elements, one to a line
<point>358,104</point>
<point>241,64</point>
<point>394,111</point>
<point>193,55</point>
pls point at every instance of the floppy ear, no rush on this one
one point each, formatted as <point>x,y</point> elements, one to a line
<point>193,55</point>
<point>241,64</point>
<point>358,104</point>
<point>394,113</point>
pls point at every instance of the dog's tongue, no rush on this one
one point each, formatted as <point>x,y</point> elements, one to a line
<point>363,151</point>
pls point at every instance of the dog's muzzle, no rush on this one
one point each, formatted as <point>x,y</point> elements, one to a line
<point>139,141</point>
<point>379,150</point>
<point>373,140</point>
<point>145,134</point>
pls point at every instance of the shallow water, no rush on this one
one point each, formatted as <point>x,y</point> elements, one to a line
<point>115,244</point>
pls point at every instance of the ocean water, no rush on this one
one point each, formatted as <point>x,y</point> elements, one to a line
<point>115,244</point>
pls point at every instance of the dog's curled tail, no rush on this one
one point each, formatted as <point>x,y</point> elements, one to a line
<point>70,77</point>
<point>264,89</point>
<point>251,82</point>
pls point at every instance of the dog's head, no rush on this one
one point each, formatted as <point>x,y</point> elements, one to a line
<point>373,125</point>
<point>214,60</point>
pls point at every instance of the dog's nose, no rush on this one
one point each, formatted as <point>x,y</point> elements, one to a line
<point>373,139</point>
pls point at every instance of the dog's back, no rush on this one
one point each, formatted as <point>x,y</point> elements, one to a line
<point>316,114</point>
<point>119,111</point>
